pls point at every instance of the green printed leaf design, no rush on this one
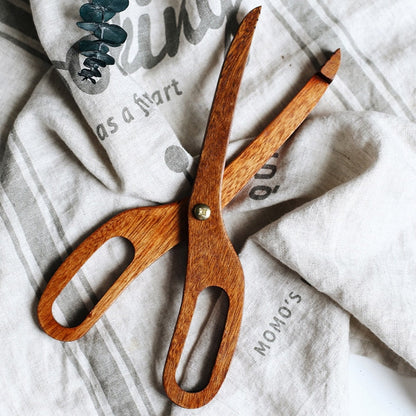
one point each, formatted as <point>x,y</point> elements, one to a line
<point>111,34</point>
<point>94,63</point>
<point>112,5</point>
<point>92,45</point>
<point>95,15</point>
<point>104,58</point>
<point>90,26</point>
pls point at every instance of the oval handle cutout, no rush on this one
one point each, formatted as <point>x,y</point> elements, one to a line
<point>92,281</point>
<point>204,338</point>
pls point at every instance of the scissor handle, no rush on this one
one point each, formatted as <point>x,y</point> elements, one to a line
<point>212,262</point>
<point>151,230</point>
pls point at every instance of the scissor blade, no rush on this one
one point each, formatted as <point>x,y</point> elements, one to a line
<point>238,173</point>
<point>211,164</point>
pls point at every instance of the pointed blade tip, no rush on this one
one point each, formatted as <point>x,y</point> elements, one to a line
<point>253,14</point>
<point>331,66</point>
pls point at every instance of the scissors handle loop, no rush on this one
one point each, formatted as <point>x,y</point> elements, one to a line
<point>212,260</point>
<point>146,228</point>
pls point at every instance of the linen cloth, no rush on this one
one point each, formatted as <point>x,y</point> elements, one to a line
<point>325,231</point>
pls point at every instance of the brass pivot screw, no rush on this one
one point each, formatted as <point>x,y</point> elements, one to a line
<point>202,212</point>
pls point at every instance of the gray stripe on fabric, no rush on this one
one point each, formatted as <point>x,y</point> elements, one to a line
<point>18,19</point>
<point>110,370</point>
<point>22,4</point>
<point>2,150</point>
<point>359,83</point>
<point>105,368</point>
<point>53,214</point>
<point>37,290</point>
<point>19,252</point>
<point>40,186</point>
<point>24,46</point>
<point>370,63</point>
<point>107,372</point>
<point>294,35</point>
<point>35,229</point>
<point>132,370</point>
<point>314,60</point>
<point>88,385</point>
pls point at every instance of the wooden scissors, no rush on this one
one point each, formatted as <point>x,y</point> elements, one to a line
<point>212,261</point>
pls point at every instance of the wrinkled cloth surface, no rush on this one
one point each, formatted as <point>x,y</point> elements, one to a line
<point>326,231</point>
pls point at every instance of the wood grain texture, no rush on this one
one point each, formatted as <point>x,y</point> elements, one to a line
<point>212,260</point>
<point>151,230</point>
<point>255,155</point>
<point>155,230</point>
